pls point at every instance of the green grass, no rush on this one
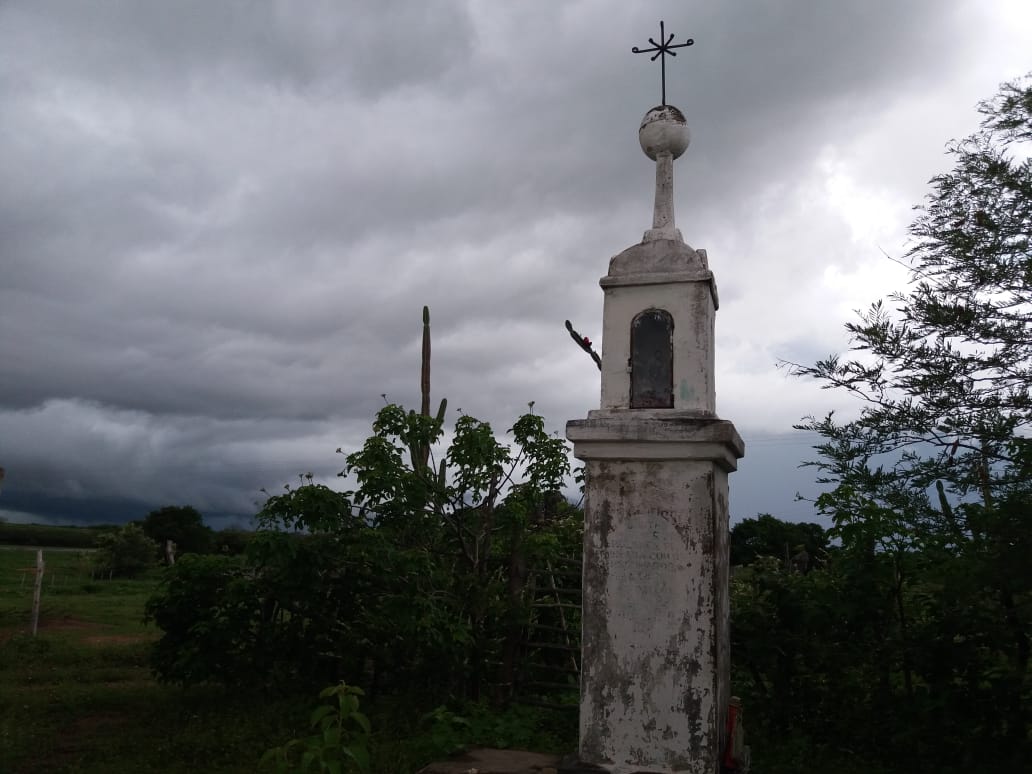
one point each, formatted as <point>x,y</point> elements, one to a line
<point>80,696</point>
<point>71,597</point>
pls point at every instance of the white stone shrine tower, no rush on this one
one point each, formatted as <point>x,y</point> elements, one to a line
<point>655,671</point>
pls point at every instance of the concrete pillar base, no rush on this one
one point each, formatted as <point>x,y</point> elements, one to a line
<point>655,680</point>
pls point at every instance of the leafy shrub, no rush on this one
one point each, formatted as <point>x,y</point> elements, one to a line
<point>416,581</point>
<point>124,553</point>
<point>210,613</point>
<point>517,726</point>
<point>232,541</point>
<point>340,743</point>
<point>307,610</point>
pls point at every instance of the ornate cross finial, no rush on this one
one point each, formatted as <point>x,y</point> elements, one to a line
<point>662,49</point>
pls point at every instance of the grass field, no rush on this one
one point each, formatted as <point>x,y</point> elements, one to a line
<point>80,697</point>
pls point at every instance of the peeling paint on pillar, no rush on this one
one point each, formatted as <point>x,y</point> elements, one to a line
<point>654,685</point>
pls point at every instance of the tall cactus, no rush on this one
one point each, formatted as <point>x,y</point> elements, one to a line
<point>420,452</point>
<point>424,377</point>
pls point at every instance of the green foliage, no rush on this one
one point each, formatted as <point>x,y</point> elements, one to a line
<point>475,477</point>
<point>303,610</point>
<point>310,507</point>
<point>416,579</point>
<point>211,617</point>
<point>768,536</point>
<point>929,486</point>
<point>80,696</point>
<point>232,541</point>
<point>125,553</point>
<point>945,376</point>
<point>181,524</point>
<point>481,509</point>
<point>340,743</point>
<point>481,725</point>
<point>415,582</point>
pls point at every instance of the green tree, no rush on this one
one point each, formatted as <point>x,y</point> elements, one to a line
<point>416,580</point>
<point>181,524</point>
<point>232,541</point>
<point>479,509</point>
<point>124,553</point>
<point>804,543</point>
<point>479,505</point>
<point>310,507</point>
<point>932,480</point>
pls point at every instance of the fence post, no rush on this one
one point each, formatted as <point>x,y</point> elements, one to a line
<point>36,591</point>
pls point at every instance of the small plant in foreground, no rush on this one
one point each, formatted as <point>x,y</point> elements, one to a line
<point>482,726</point>
<point>448,732</point>
<point>340,743</point>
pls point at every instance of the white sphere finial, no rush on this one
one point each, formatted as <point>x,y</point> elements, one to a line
<point>664,136</point>
<point>664,130</point>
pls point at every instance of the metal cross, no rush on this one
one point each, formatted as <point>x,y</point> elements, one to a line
<point>662,49</point>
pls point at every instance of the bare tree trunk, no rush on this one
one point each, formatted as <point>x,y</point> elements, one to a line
<point>908,681</point>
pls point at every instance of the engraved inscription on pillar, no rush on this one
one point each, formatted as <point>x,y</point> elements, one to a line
<point>652,360</point>
<point>647,568</point>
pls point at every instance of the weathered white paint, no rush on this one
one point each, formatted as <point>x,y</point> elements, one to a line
<point>664,130</point>
<point>654,681</point>
<point>663,213</point>
<point>663,274</point>
<point>655,671</point>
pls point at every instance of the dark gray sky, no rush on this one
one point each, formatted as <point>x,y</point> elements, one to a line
<point>219,221</point>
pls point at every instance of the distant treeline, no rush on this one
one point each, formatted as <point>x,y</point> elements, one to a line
<point>45,536</point>
<point>229,541</point>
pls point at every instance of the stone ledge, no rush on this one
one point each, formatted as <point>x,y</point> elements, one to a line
<point>627,280</point>
<point>670,278</point>
<point>632,434</point>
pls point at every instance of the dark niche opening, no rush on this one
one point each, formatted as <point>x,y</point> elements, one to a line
<point>652,360</point>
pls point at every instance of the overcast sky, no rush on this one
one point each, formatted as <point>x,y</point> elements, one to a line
<point>219,221</point>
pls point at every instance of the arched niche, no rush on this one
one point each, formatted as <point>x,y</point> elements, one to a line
<point>652,359</point>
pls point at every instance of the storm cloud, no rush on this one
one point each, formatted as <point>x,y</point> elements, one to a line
<point>219,221</point>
